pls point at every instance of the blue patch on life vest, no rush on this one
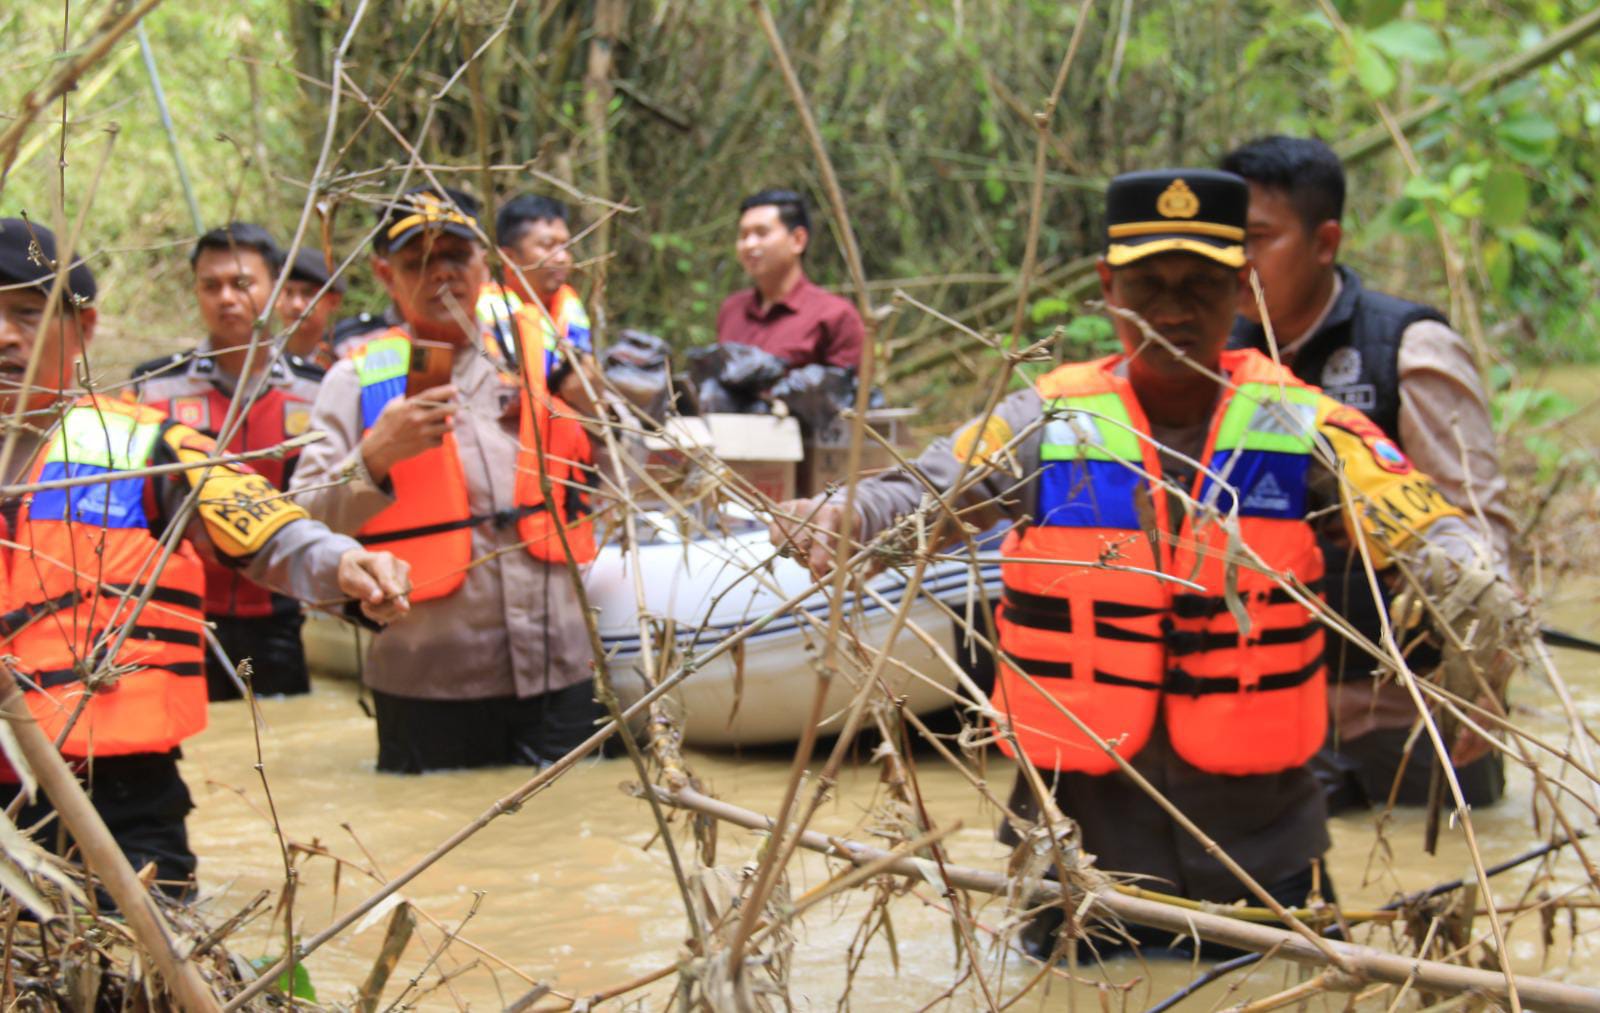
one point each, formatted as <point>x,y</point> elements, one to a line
<point>1269,484</point>
<point>1088,494</point>
<point>375,397</point>
<point>116,504</point>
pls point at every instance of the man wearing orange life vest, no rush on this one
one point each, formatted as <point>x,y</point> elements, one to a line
<point>234,268</point>
<point>1130,464</point>
<point>535,241</point>
<point>493,665</point>
<point>76,562</point>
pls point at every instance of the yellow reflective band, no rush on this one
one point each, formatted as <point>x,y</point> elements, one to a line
<point>1229,256</point>
<point>425,218</point>
<point>1169,227</point>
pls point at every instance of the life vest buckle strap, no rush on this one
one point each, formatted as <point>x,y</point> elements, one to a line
<point>1198,606</point>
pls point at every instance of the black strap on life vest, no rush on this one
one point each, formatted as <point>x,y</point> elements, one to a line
<point>1181,683</point>
<point>501,519</point>
<point>18,619</point>
<point>1042,612</point>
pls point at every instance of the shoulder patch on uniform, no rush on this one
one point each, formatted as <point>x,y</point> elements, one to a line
<point>164,365</point>
<point>305,368</point>
<point>982,444</point>
<point>1386,454</point>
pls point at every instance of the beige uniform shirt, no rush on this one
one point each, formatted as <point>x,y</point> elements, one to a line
<point>1446,430</point>
<point>513,628</point>
<point>1445,426</point>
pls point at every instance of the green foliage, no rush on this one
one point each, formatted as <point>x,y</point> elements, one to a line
<point>927,110</point>
<point>300,987</point>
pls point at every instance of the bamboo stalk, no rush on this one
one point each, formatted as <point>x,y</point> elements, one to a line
<point>1377,965</point>
<point>100,851</point>
<point>1493,77</point>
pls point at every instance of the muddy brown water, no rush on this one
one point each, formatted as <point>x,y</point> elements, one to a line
<point>574,894</point>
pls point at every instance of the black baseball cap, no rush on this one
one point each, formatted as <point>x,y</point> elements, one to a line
<point>1199,211</point>
<point>28,259</point>
<point>311,266</point>
<point>425,209</point>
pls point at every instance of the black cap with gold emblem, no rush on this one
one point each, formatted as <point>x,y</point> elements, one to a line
<point>1200,211</point>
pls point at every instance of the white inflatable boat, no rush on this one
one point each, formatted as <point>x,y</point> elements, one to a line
<point>704,590</point>
<point>709,588</point>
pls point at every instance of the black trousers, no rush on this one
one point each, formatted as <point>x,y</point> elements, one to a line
<point>1360,772</point>
<point>277,657</point>
<point>143,802</point>
<point>416,735</point>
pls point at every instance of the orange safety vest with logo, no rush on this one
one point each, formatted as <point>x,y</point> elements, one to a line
<point>83,557</point>
<point>1114,645</point>
<point>564,320</point>
<point>276,416</point>
<point>430,523</point>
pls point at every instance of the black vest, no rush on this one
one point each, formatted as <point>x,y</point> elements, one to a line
<point>1355,358</point>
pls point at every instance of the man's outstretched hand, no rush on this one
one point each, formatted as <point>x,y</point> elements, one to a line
<point>807,530</point>
<point>379,581</point>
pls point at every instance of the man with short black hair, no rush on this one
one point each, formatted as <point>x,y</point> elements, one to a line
<point>1162,505</point>
<point>1401,364</point>
<point>535,238</point>
<point>784,312</point>
<point>493,666</point>
<point>83,563</point>
<point>307,302</point>
<point>234,270</point>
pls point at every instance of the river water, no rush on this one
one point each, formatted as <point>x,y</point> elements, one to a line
<point>571,891</point>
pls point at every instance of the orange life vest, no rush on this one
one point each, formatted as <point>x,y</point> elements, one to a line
<point>83,558</point>
<point>275,416</point>
<point>1113,645</point>
<point>430,523</point>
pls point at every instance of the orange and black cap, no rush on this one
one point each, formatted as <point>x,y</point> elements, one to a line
<point>425,209</point>
<point>28,260</point>
<point>1199,211</point>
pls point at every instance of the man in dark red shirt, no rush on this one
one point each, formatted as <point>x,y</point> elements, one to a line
<point>784,313</point>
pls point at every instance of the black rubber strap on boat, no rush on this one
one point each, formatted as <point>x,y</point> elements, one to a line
<point>500,519</point>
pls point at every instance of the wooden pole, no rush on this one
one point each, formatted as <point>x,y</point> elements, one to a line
<point>1373,964</point>
<point>101,853</point>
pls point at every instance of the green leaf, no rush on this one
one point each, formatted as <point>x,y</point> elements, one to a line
<point>1505,198</point>
<point>1049,306</point>
<point>1529,136</point>
<point>1376,12</point>
<point>1372,70</point>
<point>1089,332</point>
<point>1424,189</point>
<point>302,987</point>
<point>995,190</point>
<point>1408,40</point>
<point>1497,264</point>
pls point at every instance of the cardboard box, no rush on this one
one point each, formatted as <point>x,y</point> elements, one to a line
<point>828,453</point>
<point>763,449</point>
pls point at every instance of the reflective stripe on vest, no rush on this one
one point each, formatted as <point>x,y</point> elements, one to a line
<point>1111,644</point>
<point>84,555</point>
<point>430,523</point>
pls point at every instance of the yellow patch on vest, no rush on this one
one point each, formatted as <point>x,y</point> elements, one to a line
<point>1392,501</point>
<point>981,445</point>
<point>240,509</point>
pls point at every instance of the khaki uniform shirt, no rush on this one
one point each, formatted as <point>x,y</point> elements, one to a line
<point>1274,825</point>
<point>514,627</point>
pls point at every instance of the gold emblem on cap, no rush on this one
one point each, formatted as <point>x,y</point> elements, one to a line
<point>1178,201</point>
